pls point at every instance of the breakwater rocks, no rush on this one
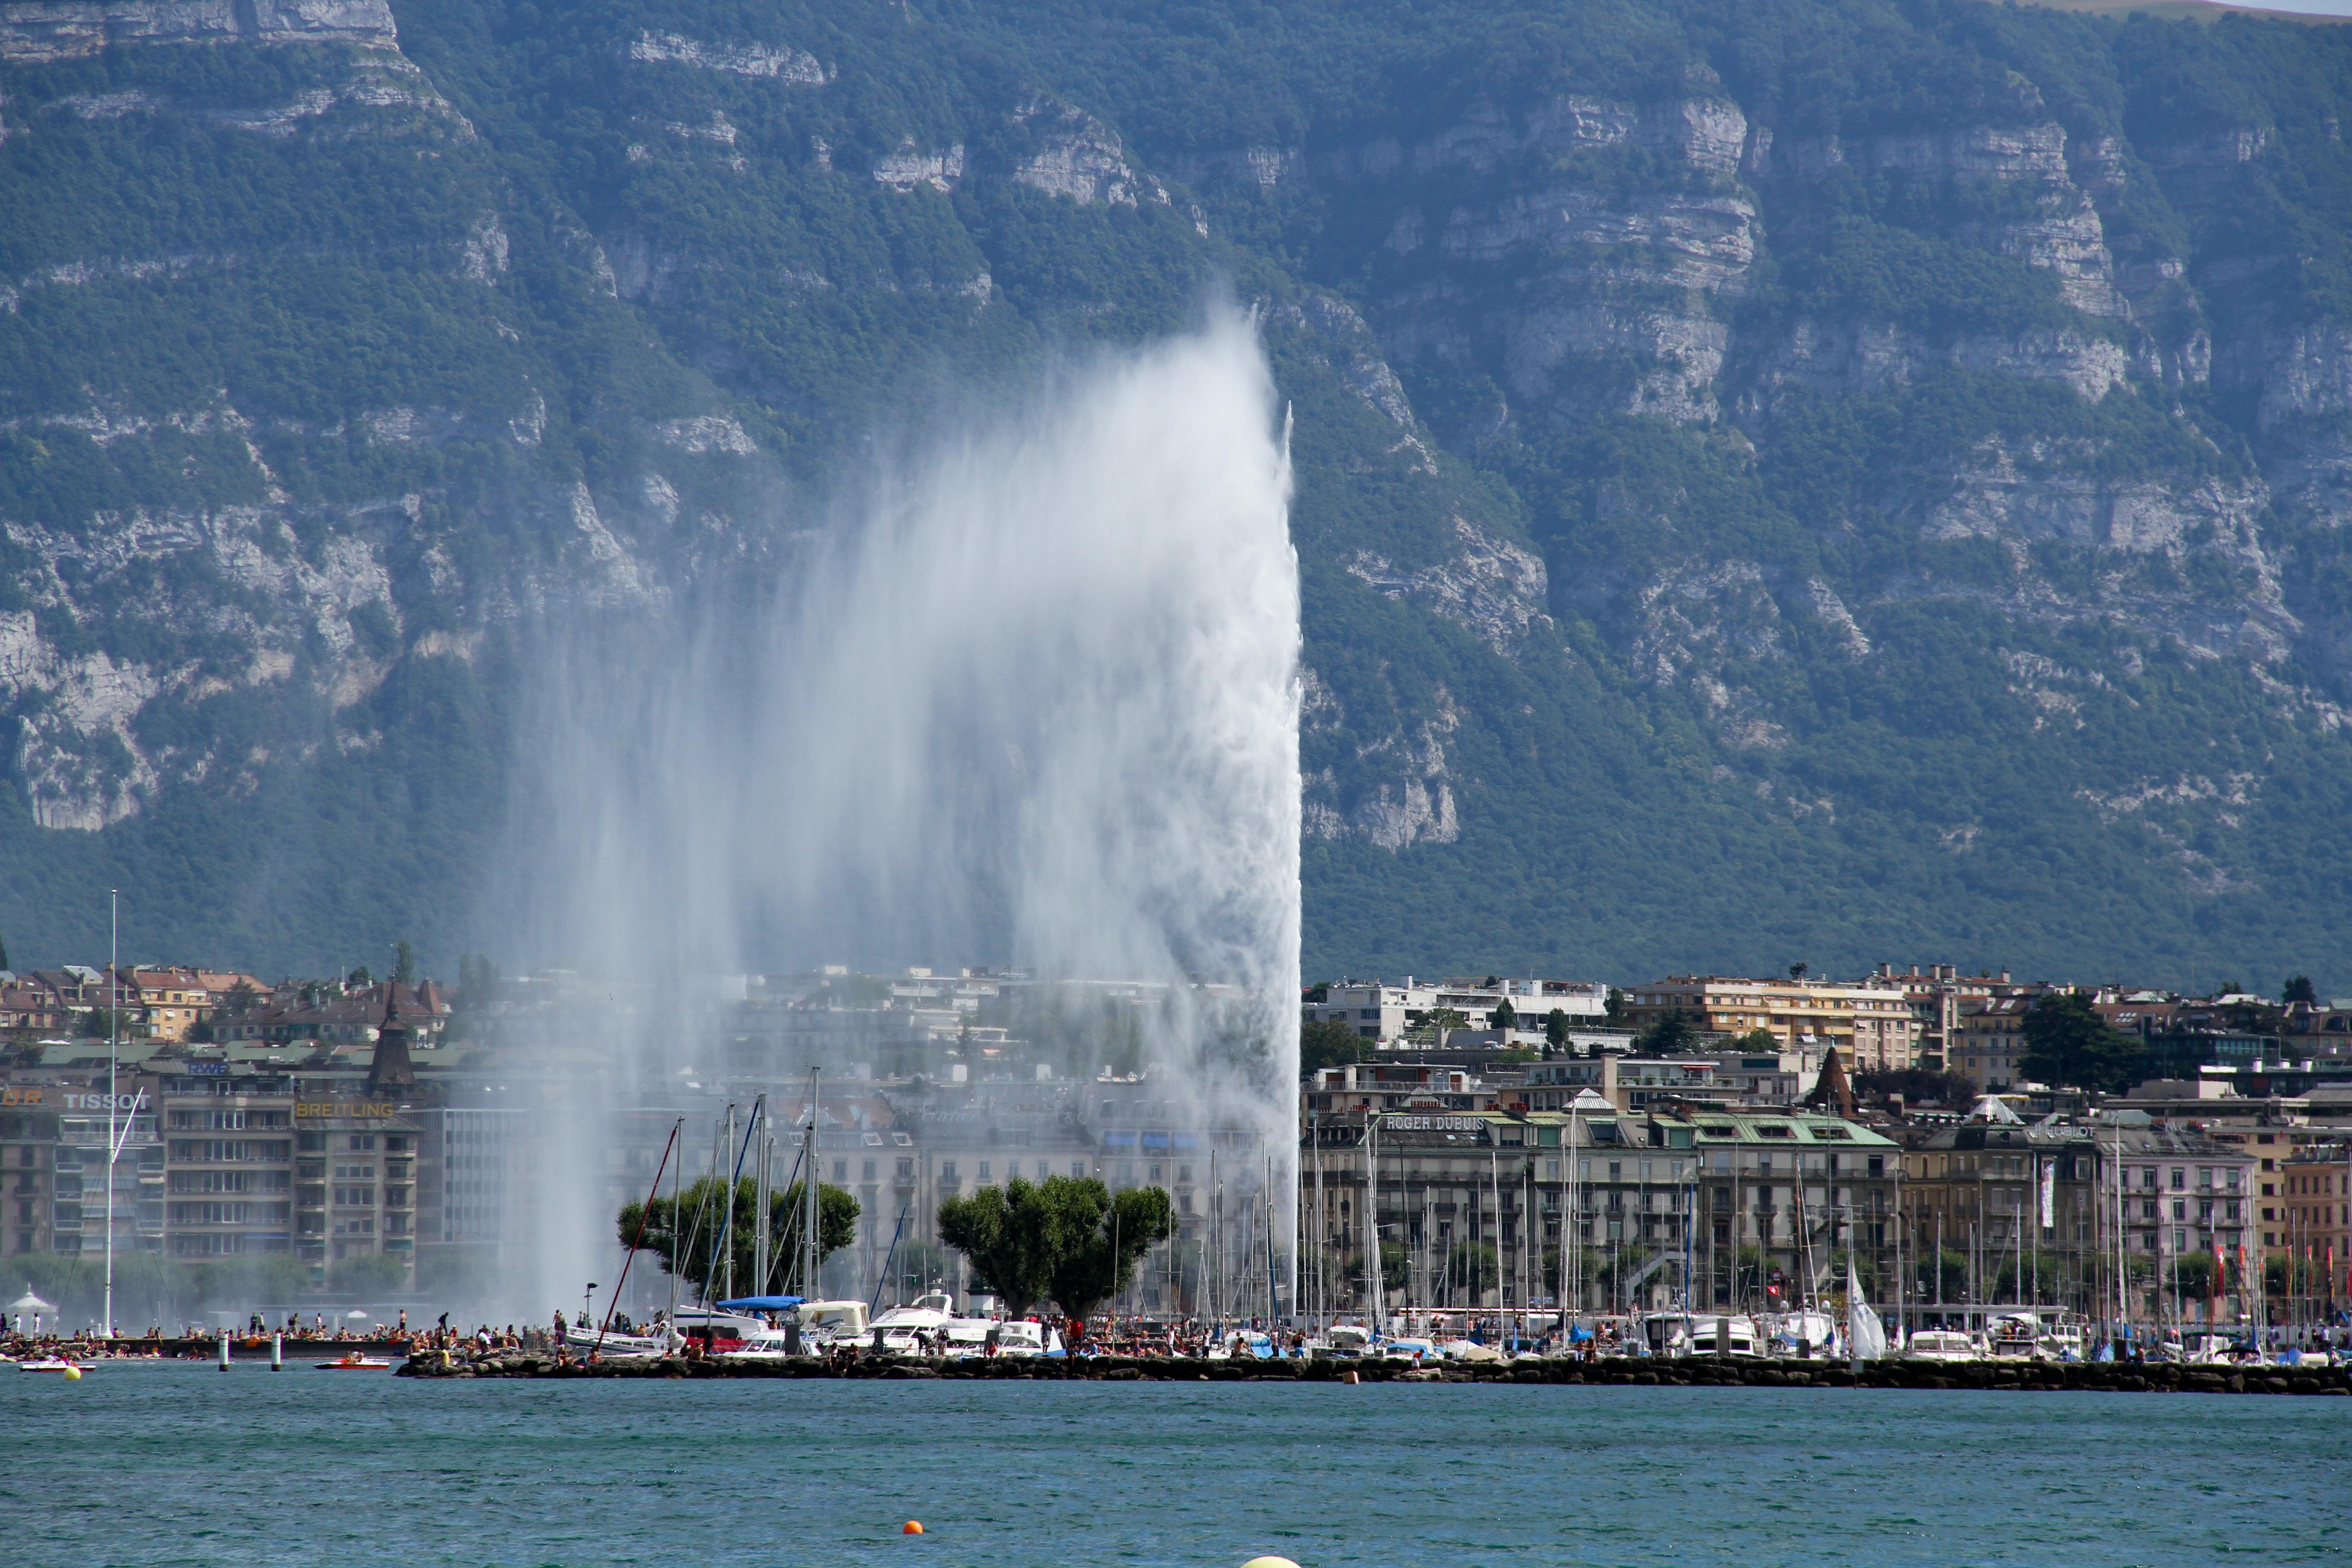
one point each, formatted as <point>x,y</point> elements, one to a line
<point>1692,1373</point>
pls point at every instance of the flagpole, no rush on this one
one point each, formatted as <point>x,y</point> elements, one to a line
<point>113,1044</point>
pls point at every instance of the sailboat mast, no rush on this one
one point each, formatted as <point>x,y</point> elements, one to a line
<point>812,1252</point>
<point>718,1127</point>
<point>1372,1283</point>
<point>1273,1296</point>
<point>760,1218</point>
<point>113,1044</point>
<point>676,1236</point>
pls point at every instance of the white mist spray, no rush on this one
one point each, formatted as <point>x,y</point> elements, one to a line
<point>1032,698</point>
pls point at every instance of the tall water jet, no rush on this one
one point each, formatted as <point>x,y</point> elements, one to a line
<point>1029,697</point>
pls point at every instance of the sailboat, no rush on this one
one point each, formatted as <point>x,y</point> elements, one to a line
<point>1865,1336</point>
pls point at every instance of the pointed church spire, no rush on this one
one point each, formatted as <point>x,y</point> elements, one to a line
<point>390,1069</point>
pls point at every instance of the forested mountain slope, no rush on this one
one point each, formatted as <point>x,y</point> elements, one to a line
<point>1783,479</point>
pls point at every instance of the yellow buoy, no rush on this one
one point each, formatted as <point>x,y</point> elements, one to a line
<point>73,1374</point>
<point>912,1527</point>
<point>1269,1563</point>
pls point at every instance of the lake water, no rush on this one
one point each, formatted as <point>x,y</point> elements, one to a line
<point>154,1464</point>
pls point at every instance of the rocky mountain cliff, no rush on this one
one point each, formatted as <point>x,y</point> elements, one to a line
<point>1817,480</point>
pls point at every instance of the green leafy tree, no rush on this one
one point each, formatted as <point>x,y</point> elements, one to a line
<point>1505,1016</point>
<point>1104,1262</point>
<point>684,1231</point>
<point>404,964</point>
<point>1757,1039</point>
<point>2298,987</point>
<point>1671,1032</point>
<point>1953,1286</point>
<point>1326,1043</point>
<point>1612,1008</point>
<point>1555,1028</point>
<point>2066,1042</point>
<point>1437,1021</point>
<point>1066,1239</point>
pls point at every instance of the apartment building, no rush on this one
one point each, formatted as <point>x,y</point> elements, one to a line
<point>354,1180</point>
<point>1634,1083</point>
<point>228,1164</point>
<point>28,1143</point>
<point>2072,1195</point>
<point>1386,1013</point>
<point>1708,1204</point>
<point>2313,1207</point>
<point>80,1194</point>
<point>1989,1044</point>
<point>1871,1027</point>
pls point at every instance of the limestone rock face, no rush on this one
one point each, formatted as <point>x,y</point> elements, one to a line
<point>44,30</point>
<point>1077,156</point>
<point>792,67</point>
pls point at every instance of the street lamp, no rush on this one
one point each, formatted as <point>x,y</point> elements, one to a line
<point>588,1305</point>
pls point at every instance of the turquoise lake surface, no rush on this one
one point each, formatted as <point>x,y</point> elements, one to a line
<point>179,1464</point>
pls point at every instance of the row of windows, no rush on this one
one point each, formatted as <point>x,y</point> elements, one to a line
<point>230,1213</point>
<point>228,1150</point>
<point>2179,1178</point>
<point>1039,1170</point>
<point>230,1181</point>
<point>227,1121</point>
<point>985,1173</point>
<point>202,1246</point>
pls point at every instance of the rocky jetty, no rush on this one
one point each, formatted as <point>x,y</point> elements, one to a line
<point>2114,1378</point>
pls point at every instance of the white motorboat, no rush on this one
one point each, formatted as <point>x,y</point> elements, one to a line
<point>53,1363</point>
<point>353,1361</point>
<point>612,1342</point>
<point>1342,1342</point>
<point>833,1322</point>
<point>1019,1337</point>
<point>1724,1335</point>
<point>820,1326</point>
<point>916,1329</point>
<point>2062,1336</point>
<point>2014,1336</point>
<point>1943,1344</point>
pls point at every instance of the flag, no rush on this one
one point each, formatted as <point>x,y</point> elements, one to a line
<point>1866,1335</point>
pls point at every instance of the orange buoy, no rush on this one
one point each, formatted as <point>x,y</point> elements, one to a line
<point>912,1527</point>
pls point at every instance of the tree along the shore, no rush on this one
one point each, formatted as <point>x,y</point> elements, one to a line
<point>684,1232</point>
<point>1066,1239</point>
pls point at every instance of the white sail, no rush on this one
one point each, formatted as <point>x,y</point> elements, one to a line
<point>1865,1333</point>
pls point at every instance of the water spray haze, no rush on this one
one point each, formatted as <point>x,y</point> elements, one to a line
<point>1030,698</point>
